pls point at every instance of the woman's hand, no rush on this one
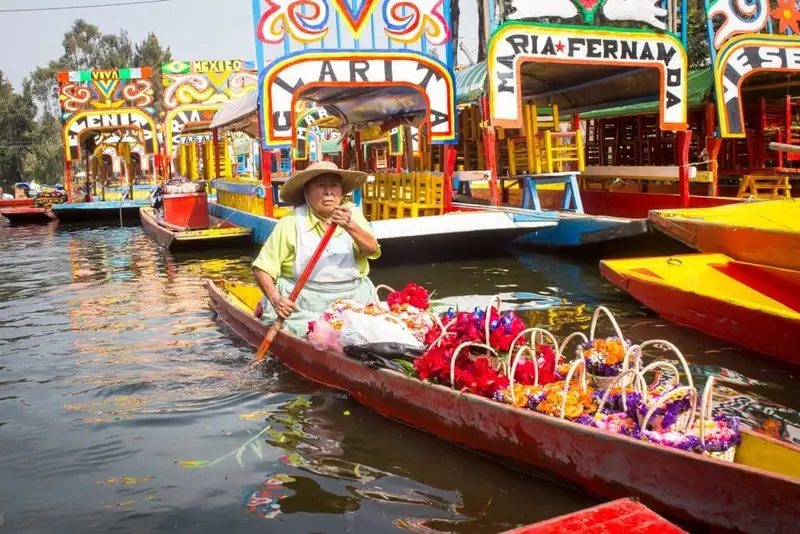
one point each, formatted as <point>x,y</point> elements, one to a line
<point>341,216</point>
<point>283,307</point>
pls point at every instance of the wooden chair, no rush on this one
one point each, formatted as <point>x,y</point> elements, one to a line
<point>430,195</point>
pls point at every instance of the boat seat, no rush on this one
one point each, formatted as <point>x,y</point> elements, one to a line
<point>765,186</point>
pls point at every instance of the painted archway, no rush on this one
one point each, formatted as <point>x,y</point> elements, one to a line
<point>305,130</point>
<point>742,57</point>
<point>176,119</point>
<point>108,119</point>
<point>516,43</point>
<point>284,80</point>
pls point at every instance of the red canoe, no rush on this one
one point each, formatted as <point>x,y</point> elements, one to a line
<point>16,203</point>
<point>623,516</point>
<point>27,215</point>
<point>733,497</point>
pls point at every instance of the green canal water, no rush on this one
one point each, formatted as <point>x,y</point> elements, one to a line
<point>126,407</point>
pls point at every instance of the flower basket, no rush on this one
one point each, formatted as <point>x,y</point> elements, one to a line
<point>724,435</point>
<point>562,400</point>
<point>605,358</point>
<point>682,425</point>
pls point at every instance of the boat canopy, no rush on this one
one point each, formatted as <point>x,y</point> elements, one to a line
<point>700,87</point>
<point>198,127</point>
<point>470,83</point>
<point>368,105</point>
<point>239,115</point>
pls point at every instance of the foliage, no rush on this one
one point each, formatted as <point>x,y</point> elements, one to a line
<point>16,118</point>
<point>38,154</point>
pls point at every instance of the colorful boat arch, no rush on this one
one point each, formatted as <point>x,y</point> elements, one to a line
<point>287,79</point>
<point>195,90</point>
<point>741,57</point>
<point>83,122</point>
<point>306,129</point>
<point>516,43</point>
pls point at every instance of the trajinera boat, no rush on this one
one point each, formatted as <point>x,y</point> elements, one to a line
<point>219,233</point>
<point>759,491</point>
<point>755,306</point>
<point>766,232</point>
<point>623,516</point>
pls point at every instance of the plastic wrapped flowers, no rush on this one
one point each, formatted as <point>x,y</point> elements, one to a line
<point>403,318</point>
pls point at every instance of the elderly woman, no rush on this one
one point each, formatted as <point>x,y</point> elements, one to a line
<point>341,272</point>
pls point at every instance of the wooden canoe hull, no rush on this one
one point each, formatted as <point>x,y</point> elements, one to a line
<point>744,239</point>
<point>623,516</point>
<point>683,485</point>
<point>228,235</point>
<point>27,215</point>
<point>727,317</point>
<point>17,203</point>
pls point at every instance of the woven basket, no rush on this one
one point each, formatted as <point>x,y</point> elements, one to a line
<point>727,455</point>
<point>604,382</point>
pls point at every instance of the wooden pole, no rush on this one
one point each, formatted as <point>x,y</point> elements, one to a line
<point>783,147</point>
<point>449,169</point>
<point>683,139</point>
<point>489,144</point>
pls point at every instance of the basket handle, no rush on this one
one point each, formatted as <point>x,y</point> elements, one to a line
<point>381,286</point>
<point>579,362</point>
<point>639,386</point>
<point>487,317</point>
<point>570,338</point>
<point>691,391</point>
<point>593,327</point>
<point>705,409</point>
<point>530,351</point>
<point>673,348</point>
<point>444,333</point>
<point>666,365</point>
<point>458,351</point>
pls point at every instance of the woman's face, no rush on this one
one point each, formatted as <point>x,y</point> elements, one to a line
<point>324,193</point>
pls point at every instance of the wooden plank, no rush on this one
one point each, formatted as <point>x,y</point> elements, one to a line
<point>665,172</point>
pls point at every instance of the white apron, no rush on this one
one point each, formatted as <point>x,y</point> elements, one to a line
<point>336,269</point>
<point>336,276</point>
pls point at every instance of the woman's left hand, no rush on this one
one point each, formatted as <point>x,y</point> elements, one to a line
<point>341,216</point>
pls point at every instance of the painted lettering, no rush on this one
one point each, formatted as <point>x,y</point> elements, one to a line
<point>359,68</point>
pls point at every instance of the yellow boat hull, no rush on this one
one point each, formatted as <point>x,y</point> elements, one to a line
<point>219,234</point>
<point>752,305</point>
<point>763,232</point>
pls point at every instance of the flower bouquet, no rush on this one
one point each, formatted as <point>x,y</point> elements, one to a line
<point>565,400</point>
<point>606,358</point>
<point>531,368</point>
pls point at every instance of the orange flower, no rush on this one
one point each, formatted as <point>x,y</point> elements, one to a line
<point>787,16</point>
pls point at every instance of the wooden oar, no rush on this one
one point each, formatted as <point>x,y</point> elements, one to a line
<point>277,325</point>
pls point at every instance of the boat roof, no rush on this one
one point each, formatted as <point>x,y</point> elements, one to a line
<point>368,104</point>
<point>196,127</point>
<point>700,87</point>
<point>239,115</point>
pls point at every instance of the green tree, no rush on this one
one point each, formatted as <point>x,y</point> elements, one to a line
<point>17,114</point>
<point>150,53</point>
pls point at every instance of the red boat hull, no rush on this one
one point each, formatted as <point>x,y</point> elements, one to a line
<point>686,486</point>
<point>765,333</point>
<point>623,516</point>
<point>27,215</point>
<point>17,203</point>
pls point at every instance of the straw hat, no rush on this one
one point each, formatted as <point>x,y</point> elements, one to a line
<point>292,190</point>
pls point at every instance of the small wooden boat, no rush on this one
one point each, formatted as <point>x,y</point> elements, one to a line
<point>763,232</point>
<point>623,516</point>
<point>27,215</point>
<point>755,306</point>
<point>16,203</point>
<point>760,492</point>
<point>220,233</point>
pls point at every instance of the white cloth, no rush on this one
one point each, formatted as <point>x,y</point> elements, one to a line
<point>336,268</point>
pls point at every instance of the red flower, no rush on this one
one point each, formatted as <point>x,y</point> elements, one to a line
<point>412,294</point>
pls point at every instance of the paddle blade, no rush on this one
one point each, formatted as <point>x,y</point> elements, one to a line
<point>264,347</point>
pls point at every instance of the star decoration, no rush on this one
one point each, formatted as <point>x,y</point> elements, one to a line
<point>786,16</point>
<point>559,46</point>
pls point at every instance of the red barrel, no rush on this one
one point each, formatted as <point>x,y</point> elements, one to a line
<point>187,210</point>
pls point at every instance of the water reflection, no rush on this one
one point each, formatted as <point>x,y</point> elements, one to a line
<point>116,379</point>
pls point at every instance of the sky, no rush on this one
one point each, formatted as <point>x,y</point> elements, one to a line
<point>193,29</point>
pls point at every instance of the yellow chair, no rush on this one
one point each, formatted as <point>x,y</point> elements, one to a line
<point>378,194</point>
<point>368,197</point>
<point>430,195</point>
<point>402,195</point>
<point>391,195</point>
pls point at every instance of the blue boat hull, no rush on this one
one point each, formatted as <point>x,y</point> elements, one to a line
<point>577,230</point>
